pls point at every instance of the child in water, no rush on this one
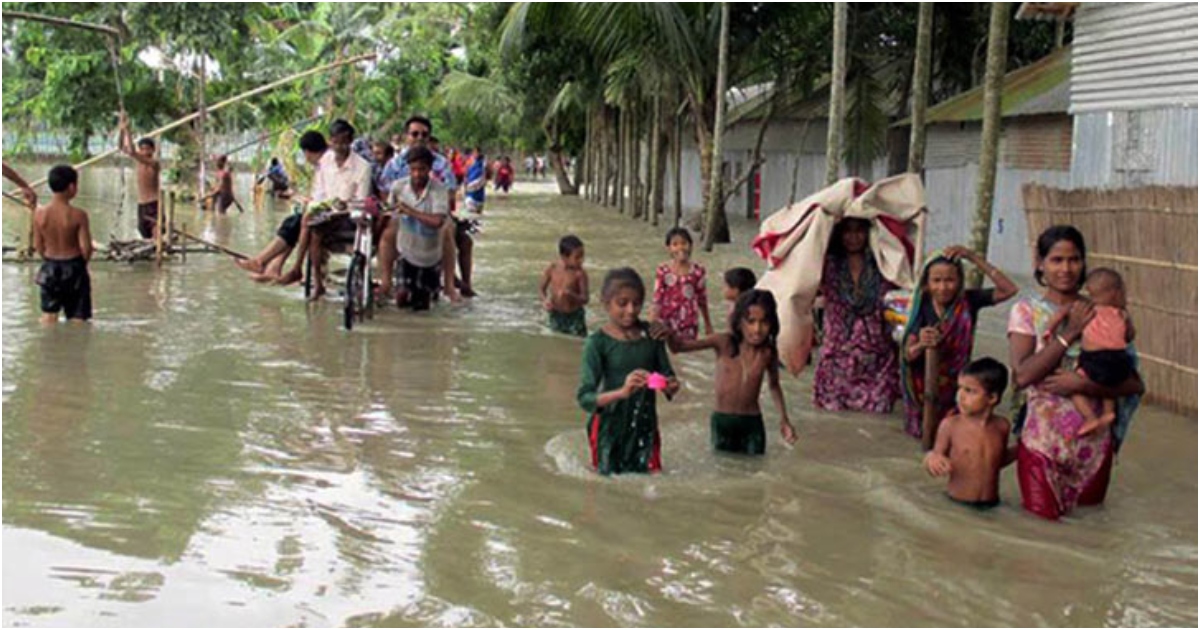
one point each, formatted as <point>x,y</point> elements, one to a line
<point>942,316</point>
<point>1103,360</point>
<point>61,234</point>
<point>621,362</point>
<point>680,294</point>
<point>744,355</point>
<point>972,445</point>
<point>737,281</point>
<point>564,289</point>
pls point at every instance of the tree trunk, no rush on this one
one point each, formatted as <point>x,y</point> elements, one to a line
<point>622,159</point>
<point>636,157</point>
<point>350,90</point>
<point>659,162</point>
<point>920,89</point>
<point>677,156</point>
<point>993,82</point>
<point>717,228</point>
<point>837,96</point>
<point>582,175</point>
<point>201,173</point>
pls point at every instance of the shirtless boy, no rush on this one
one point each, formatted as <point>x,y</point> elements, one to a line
<point>972,445</point>
<point>564,289</point>
<point>62,237</point>
<point>148,169</point>
<point>744,355</point>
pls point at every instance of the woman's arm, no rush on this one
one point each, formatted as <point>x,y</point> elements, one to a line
<point>1031,366</point>
<point>1068,383</point>
<point>1005,287</point>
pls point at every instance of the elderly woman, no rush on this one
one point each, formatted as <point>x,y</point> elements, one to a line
<point>1058,466</point>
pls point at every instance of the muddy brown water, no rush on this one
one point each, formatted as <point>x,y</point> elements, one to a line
<point>213,452</point>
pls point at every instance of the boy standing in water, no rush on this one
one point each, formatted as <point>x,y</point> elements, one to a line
<point>222,191</point>
<point>744,356</point>
<point>972,445</point>
<point>148,169</point>
<point>420,201</point>
<point>564,289</point>
<point>61,235</point>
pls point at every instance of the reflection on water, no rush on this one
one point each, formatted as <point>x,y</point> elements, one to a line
<point>214,452</point>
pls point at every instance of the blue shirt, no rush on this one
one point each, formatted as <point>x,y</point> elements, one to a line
<point>477,179</point>
<point>397,169</point>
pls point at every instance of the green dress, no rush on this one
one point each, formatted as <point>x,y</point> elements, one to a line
<point>624,435</point>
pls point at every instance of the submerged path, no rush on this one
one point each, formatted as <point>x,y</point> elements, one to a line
<point>213,452</point>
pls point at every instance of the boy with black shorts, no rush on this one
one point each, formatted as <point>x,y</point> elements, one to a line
<point>62,236</point>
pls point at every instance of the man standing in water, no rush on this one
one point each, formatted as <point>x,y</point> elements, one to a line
<point>148,170</point>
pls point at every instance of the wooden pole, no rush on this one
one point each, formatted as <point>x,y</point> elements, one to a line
<point>220,248</point>
<point>837,96</point>
<point>182,246</point>
<point>171,218</point>
<point>221,105</point>
<point>929,419</point>
<point>46,19</point>
<point>160,227</point>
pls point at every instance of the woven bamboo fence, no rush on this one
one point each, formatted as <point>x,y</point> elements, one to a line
<point>1148,235</point>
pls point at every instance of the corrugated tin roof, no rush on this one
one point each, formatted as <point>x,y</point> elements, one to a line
<point>814,105</point>
<point>1046,10</point>
<point>1042,87</point>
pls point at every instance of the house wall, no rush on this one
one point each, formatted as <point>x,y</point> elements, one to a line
<point>1118,149</point>
<point>1134,95</point>
<point>1134,56</point>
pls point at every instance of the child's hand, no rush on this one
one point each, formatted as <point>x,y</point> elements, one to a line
<point>930,337</point>
<point>708,328</point>
<point>635,381</point>
<point>787,431</point>
<point>659,331</point>
<point>937,464</point>
<point>547,304</point>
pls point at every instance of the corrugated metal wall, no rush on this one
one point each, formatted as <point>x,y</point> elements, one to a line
<point>1135,148</point>
<point>1038,143</point>
<point>1134,56</point>
<point>950,196</point>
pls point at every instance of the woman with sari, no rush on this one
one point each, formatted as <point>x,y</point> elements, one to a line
<point>942,316</point>
<point>856,368</point>
<point>1057,467</point>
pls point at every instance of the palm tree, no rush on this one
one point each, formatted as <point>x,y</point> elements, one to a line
<point>837,95</point>
<point>920,92</point>
<point>993,82</point>
<point>715,212</point>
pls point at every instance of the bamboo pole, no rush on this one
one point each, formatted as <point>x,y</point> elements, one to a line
<point>159,227</point>
<point>46,19</point>
<point>233,100</point>
<point>182,246</point>
<point>929,419</point>
<point>220,248</point>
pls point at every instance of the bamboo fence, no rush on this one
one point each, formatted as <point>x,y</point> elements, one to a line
<point>1148,235</point>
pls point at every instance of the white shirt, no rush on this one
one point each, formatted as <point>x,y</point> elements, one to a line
<point>349,182</point>
<point>420,244</point>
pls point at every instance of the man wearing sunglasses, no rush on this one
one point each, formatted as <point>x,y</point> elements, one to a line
<point>417,133</point>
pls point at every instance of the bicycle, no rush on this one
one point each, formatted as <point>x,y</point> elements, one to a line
<point>358,291</point>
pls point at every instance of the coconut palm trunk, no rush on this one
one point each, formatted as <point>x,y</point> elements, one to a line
<point>993,82</point>
<point>677,168</point>
<point>717,227</point>
<point>837,96</point>
<point>920,94</point>
<point>201,140</point>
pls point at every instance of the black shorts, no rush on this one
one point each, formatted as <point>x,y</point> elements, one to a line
<point>289,229</point>
<point>66,286</point>
<point>421,283</point>
<point>338,229</point>
<point>1108,368</point>
<point>463,229</point>
<point>147,218</point>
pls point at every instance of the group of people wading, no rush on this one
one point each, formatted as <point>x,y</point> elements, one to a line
<point>1070,347</point>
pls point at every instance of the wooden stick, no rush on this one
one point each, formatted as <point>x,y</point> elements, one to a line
<point>182,246</point>
<point>211,244</point>
<point>929,419</point>
<point>159,227</point>
<point>225,103</point>
<point>46,19</point>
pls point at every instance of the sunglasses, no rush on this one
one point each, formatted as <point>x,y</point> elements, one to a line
<point>418,134</point>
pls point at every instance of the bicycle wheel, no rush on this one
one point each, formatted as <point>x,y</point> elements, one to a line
<point>354,290</point>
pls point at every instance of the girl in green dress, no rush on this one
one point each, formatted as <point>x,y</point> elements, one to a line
<point>615,384</point>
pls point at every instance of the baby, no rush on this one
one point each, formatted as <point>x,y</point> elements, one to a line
<point>1103,360</point>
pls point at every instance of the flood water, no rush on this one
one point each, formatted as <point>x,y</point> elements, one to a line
<point>214,452</point>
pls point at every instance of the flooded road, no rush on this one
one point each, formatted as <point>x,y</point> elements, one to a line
<point>213,452</point>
